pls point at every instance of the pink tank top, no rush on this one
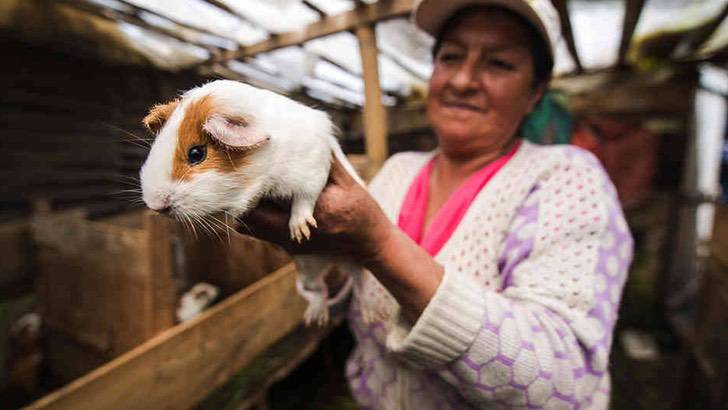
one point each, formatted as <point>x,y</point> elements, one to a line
<point>414,208</point>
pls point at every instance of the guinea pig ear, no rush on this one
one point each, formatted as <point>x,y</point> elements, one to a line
<point>234,132</point>
<point>158,115</point>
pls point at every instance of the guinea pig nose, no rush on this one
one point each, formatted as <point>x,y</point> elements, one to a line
<point>164,210</point>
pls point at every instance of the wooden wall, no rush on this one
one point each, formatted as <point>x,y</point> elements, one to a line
<point>64,121</point>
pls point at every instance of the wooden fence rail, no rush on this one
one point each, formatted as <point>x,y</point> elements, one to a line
<point>181,366</point>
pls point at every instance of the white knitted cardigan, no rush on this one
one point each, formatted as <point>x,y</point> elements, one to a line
<point>524,314</point>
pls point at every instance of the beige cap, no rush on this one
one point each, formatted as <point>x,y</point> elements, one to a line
<point>431,15</point>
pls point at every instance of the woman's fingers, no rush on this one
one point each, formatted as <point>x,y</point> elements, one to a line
<point>267,222</point>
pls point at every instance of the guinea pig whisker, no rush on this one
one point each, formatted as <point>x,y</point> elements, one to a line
<point>196,220</point>
<point>191,225</point>
<point>130,184</point>
<point>129,178</point>
<point>136,144</point>
<point>211,228</point>
<point>222,225</point>
<point>145,141</point>
<point>227,228</point>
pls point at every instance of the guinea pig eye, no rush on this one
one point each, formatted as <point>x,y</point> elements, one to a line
<point>196,154</point>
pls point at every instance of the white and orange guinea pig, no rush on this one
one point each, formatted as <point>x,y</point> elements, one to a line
<point>225,145</point>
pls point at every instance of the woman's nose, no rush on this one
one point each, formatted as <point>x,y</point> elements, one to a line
<point>464,79</point>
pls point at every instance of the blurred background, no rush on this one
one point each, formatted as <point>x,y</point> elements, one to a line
<point>105,305</point>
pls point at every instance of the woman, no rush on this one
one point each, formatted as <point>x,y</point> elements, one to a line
<point>496,265</point>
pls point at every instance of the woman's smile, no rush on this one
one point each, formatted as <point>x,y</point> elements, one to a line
<point>466,106</point>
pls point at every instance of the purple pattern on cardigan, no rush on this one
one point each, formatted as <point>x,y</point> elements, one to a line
<point>611,268</point>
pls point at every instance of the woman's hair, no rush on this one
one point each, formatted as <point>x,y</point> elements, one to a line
<point>542,62</point>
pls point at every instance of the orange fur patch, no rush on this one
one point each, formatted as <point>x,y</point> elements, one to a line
<point>191,134</point>
<point>158,115</point>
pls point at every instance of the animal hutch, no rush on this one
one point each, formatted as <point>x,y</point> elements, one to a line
<point>106,276</point>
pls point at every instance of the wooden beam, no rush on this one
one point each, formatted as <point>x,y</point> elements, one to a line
<point>383,9</point>
<point>219,4</point>
<point>163,298</point>
<point>402,120</point>
<point>181,366</point>
<point>621,93</point>
<point>567,32</point>
<point>315,8</point>
<point>116,16</point>
<point>139,9</point>
<point>697,38</point>
<point>375,116</point>
<point>632,12</point>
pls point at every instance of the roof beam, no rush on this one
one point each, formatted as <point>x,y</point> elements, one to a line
<point>349,20</point>
<point>315,8</point>
<point>633,9</point>
<point>567,32</point>
<point>138,9</point>
<point>116,16</point>
<point>697,38</point>
<point>222,6</point>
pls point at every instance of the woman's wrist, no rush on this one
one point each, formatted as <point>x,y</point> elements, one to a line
<point>376,238</point>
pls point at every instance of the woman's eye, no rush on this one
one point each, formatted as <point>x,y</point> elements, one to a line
<point>196,154</point>
<point>449,57</point>
<point>504,65</point>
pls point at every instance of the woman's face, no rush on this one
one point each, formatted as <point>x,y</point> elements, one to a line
<point>482,82</point>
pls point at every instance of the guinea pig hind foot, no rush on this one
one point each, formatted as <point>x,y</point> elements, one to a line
<point>301,218</point>
<point>317,312</point>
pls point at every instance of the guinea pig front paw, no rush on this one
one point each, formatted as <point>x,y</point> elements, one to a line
<point>299,225</point>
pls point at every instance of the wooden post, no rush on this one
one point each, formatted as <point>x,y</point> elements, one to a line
<point>632,12</point>
<point>375,116</point>
<point>163,295</point>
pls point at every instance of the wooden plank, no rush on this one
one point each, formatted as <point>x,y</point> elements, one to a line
<point>401,119</point>
<point>718,247</point>
<point>162,294</point>
<point>231,261</point>
<point>363,15</point>
<point>375,116</point>
<point>697,38</point>
<point>633,9</point>
<point>179,367</point>
<point>624,93</point>
<point>99,299</point>
<point>181,33</point>
<point>567,32</point>
<point>249,388</point>
<point>16,246</point>
<point>313,7</point>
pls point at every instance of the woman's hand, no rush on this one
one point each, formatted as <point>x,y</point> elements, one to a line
<point>350,222</point>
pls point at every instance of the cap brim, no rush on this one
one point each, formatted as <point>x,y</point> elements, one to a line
<point>430,16</point>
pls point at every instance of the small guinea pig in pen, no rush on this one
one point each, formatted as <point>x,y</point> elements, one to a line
<point>223,146</point>
<point>195,300</point>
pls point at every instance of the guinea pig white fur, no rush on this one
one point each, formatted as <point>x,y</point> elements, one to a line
<point>223,146</point>
<point>195,300</point>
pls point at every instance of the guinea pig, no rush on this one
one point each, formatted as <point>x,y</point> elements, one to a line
<point>195,300</point>
<point>225,145</point>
